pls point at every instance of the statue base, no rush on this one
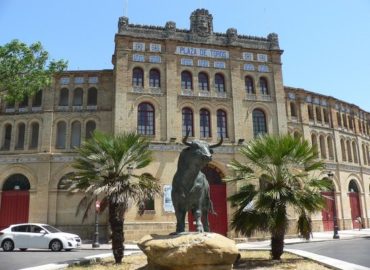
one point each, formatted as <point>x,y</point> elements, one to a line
<point>190,251</point>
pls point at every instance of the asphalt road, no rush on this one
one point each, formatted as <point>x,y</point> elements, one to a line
<point>23,259</point>
<point>354,250</point>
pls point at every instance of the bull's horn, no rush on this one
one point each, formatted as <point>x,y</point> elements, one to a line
<point>184,140</point>
<point>217,144</point>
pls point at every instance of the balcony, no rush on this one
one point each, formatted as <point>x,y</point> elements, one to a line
<point>36,109</point>
<point>23,110</point>
<point>9,110</point>
<point>204,94</point>
<point>187,92</point>
<point>221,95</point>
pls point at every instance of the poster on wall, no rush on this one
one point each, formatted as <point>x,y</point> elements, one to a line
<point>167,200</point>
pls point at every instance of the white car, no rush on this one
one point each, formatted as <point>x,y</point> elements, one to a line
<point>36,235</point>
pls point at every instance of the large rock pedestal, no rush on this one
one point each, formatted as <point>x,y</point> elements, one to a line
<point>190,251</point>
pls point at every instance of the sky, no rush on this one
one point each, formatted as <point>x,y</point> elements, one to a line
<point>326,43</point>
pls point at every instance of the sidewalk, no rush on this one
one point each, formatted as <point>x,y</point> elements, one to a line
<point>317,236</point>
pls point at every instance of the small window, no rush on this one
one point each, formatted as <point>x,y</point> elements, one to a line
<point>145,119</point>
<point>63,97</point>
<point>76,134</point>
<point>205,123</point>
<point>90,128</point>
<point>221,124</point>
<point>326,116</point>
<point>92,97</point>
<point>77,97</point>
<point>310,112</point>
<point>219,83</point>
<point>34,141</point>
<point>186,80</point>
<point>7,137</point>
<point>203,81</point>
<point>343,150</point>
<point>259,123</point>
<point>24,102</point>
<point>293,109</point>
<point>264,86</point>
<point>344,121</point>
<point>61,135</point>
<point>37,99</point>
<point>137,77</point>
<point>339,119</point>
<point>187,122</point>
<point>318,114</point>
<point>154,78</point>
<point>249,85</point>
<point>21,136</point>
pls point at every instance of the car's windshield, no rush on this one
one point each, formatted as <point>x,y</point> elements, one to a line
<point>50,228</point>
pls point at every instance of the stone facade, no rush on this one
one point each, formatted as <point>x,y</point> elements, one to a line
<point>225,82</point>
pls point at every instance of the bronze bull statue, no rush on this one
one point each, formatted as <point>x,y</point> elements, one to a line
<point>190,188</point>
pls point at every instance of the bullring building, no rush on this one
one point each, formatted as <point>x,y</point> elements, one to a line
<point>165,81</point>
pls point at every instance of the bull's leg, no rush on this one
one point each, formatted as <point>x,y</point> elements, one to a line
<point>180,217</point>
<point>205,221</point>
<point>198,220</point>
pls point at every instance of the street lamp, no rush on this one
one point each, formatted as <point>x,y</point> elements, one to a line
<point>96,234</point>
<point>335,221</point>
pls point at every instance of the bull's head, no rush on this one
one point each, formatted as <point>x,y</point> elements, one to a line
<point>201,150</point>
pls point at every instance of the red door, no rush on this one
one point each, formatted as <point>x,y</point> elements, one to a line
<point>355,208</point>
<point>217,223</point>
<point>14,207</point>
<point>328,212</point>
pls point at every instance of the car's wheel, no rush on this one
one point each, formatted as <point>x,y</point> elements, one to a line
<point>8,245</point>
<point>56,245</point>
<point>22,249</point>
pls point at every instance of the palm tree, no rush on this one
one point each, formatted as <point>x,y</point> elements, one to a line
<point>278,174</point>
<point>104,169</point>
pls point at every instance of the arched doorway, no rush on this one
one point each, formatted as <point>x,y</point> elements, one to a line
<point>354,201</point>
<point>15,200</point>
<point>218,223</point>
<point>328,213</point>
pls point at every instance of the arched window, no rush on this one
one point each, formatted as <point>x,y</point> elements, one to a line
<point>145,119</point>
<point>16,182</point>
<point>65,182</point>
<point>293,109</point>
<point>7,137</point>
<point>21,135</point>
<point>330,148</point>
<point>34,140</point>
<point>186,80</point>
<point>314,143</point>
<point>221,124</point>
<point>349,152</point>
<point>220,83</point>
<point>63,97</point>
<point>343,148</point>
<point>354,150</point>
<point>318,114</point>
<point>37,99</point>
<point>264,86</point>
<point>90,127</point>
<point>187,121</point>
<point>203,81</point>
<point>339,119</point>
<point>75,134</point>
<point>322,147</point>
<point>364,153</point>
<point>77,97</point>
<point>352,187</point>
<point>249,85</point>
<point>138,77</point>
<point>61,135</point>
<point>92,97</point>
<point>297,135</point>
<point>154,78</point>
<point>259,122</point>
<point>205,123</point>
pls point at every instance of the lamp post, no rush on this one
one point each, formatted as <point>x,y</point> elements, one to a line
<point>335,221</point>
<point>96,234</point>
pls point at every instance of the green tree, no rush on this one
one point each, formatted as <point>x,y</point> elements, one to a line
<point>278,173</point>
<point>24,70</point>
<point>105,166</point>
